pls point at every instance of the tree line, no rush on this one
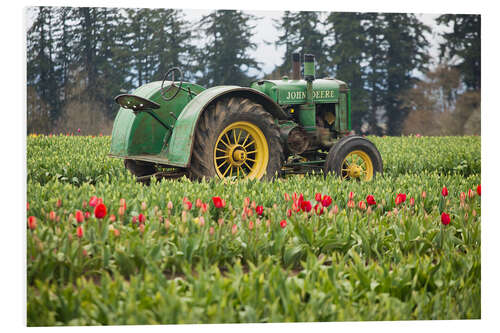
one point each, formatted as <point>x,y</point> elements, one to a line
<point>78,59</point>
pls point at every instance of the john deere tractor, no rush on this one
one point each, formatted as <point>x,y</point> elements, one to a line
<point>172,128</point>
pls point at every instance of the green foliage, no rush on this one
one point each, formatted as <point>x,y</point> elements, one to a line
<point>189,266</point>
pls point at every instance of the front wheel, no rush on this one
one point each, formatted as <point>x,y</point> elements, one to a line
<point>354,158</point>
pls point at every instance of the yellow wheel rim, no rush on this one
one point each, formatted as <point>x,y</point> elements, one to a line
<point>357,165</point>
<point>241,151</point>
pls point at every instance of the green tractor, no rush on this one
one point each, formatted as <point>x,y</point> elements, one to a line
<point>172,128</point>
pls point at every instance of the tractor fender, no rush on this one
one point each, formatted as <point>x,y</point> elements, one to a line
<point>180,144</point>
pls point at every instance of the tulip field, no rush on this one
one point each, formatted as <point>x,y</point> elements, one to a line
<point>103,249</point>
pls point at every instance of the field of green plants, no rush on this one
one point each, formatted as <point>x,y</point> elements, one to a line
<point>105,250</point>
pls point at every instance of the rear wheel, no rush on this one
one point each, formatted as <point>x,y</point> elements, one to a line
<point>354,158</point>
<point>236,138</point>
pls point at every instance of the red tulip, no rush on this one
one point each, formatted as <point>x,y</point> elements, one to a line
<point>350,204</point>
<point>204,207</point>
<point>59,203</point>
<point>317,197</point>
<point>100,211</point>
<point>234,229</point>
<point>283,224</point>
<point>198,203</point>
<point>400,198</point>
<point>479,189</point>
<point>289,212</point>
<point>361,205</point>
<point>52,216</point>
<point>112,218</point>
<point>246,202</point>
<point>188,205</point>
<point>93,201</point>
<point>424,195</point>
<point>79,216</point>
<point>445,219</point>
<point>121,211</point>
<point>335,209</point>
<point>218,203</point>
<point>142,218</point>
<point>117,232</point>
<point>32,222</point>
<point>370,200</point>
<point>134,219</point>
<point>444,191</point>
<point>79,232</point>
<point>462,196</point>
<point>259,210</point>
<point>123,204</point>
<point>306,206</point>
<point>141,228</point>
<point>287,197</point>
<point>351,195</point>
<point>250,225</point>
<point>412,202</point>
<point>327,200</point>
<point>319,209</point>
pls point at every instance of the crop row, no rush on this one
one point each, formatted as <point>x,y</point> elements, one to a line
<point>83,159</point>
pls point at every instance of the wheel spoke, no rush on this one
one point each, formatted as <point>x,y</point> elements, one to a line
<point>225,144</point>
<point>246,138</point>
<point>251,152</point>
<point>250,159</point>
<point>242,172</point>
<point>239,135</point>
<point>220,165</point>
<point>234,136</point>
<point>228,139</point>
<point>227,169</point>
<point>222,150</point>
<point>249,168</point>
<point>253,141</point>
<point>231,172</point>
<point>238,172</point>
<point>219,157</point>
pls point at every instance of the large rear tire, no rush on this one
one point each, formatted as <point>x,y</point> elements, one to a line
<point>354,158</point>
<point>236,137</point>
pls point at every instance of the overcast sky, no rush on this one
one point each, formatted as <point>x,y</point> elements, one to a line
<point>265,31</point>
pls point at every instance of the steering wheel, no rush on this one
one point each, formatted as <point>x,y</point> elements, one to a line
<point>172,85</point>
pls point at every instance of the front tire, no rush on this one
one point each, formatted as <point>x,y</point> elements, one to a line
<point>236,138</point>
<point>354,158</point>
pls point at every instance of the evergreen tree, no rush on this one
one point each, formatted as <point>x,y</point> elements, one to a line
<point>406,52</point>
<point>224,59</point>
<point>301,33</point>
<point>462,46</point>
<point>41,67</point>
<point>347,55</point>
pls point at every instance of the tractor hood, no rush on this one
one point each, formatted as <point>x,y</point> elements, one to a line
<point>294,91</point>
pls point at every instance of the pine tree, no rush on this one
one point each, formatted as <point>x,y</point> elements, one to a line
<point>406,52</point>
<point>346,56</point>
<point>301,33</point>
<point>462,46</point>
<point>224,59</point>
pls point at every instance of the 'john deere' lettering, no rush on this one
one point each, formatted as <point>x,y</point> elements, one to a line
<point>317,94</point>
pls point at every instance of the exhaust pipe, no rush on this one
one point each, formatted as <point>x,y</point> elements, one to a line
<point>295,66</point>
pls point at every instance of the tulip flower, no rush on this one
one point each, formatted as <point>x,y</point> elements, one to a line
<point>123,204</point>
<point>412,202</point>
<point>478,189</point>
<point>444,191</point>
<point>112,218</point>
<point>327,200</point>
<point>289,212</point>
<point>87,215</point>
<point>471,193</point>
<point>362,205</point>
<point>141,228</point>
<point>462,196</point>
<point>306,206</point>
<point>318,209</point>
<point>335,209</point>
<point>170,205</point>
<point>204,207</point>
<point>445,218</point>
<point>93,201</point>
<point>351,195</point>
<point>116,232</point>
<point>52,215</point>
<point>283,224</point>
<point>141,218</point>
<point>202,221</point>
<point>370,200</point>
<point>100,211</point>
<point>121,211</point>
<point>259,210</point>
<point>350,204</point>
<point>59,203</point>
<point>32,222</point>
<point>317,197</point>
<point>246,202</point>
<point>218,203</point>
<point>287,197</point>
<point>424,195</point>
<point>188,205</point>
<point>234,229</point>
<point>250,225</point>
<point>400,198</point>
<point>198,203</point>
<point>79,232</point>
<point>211,231</point>
<point>79,216</point>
